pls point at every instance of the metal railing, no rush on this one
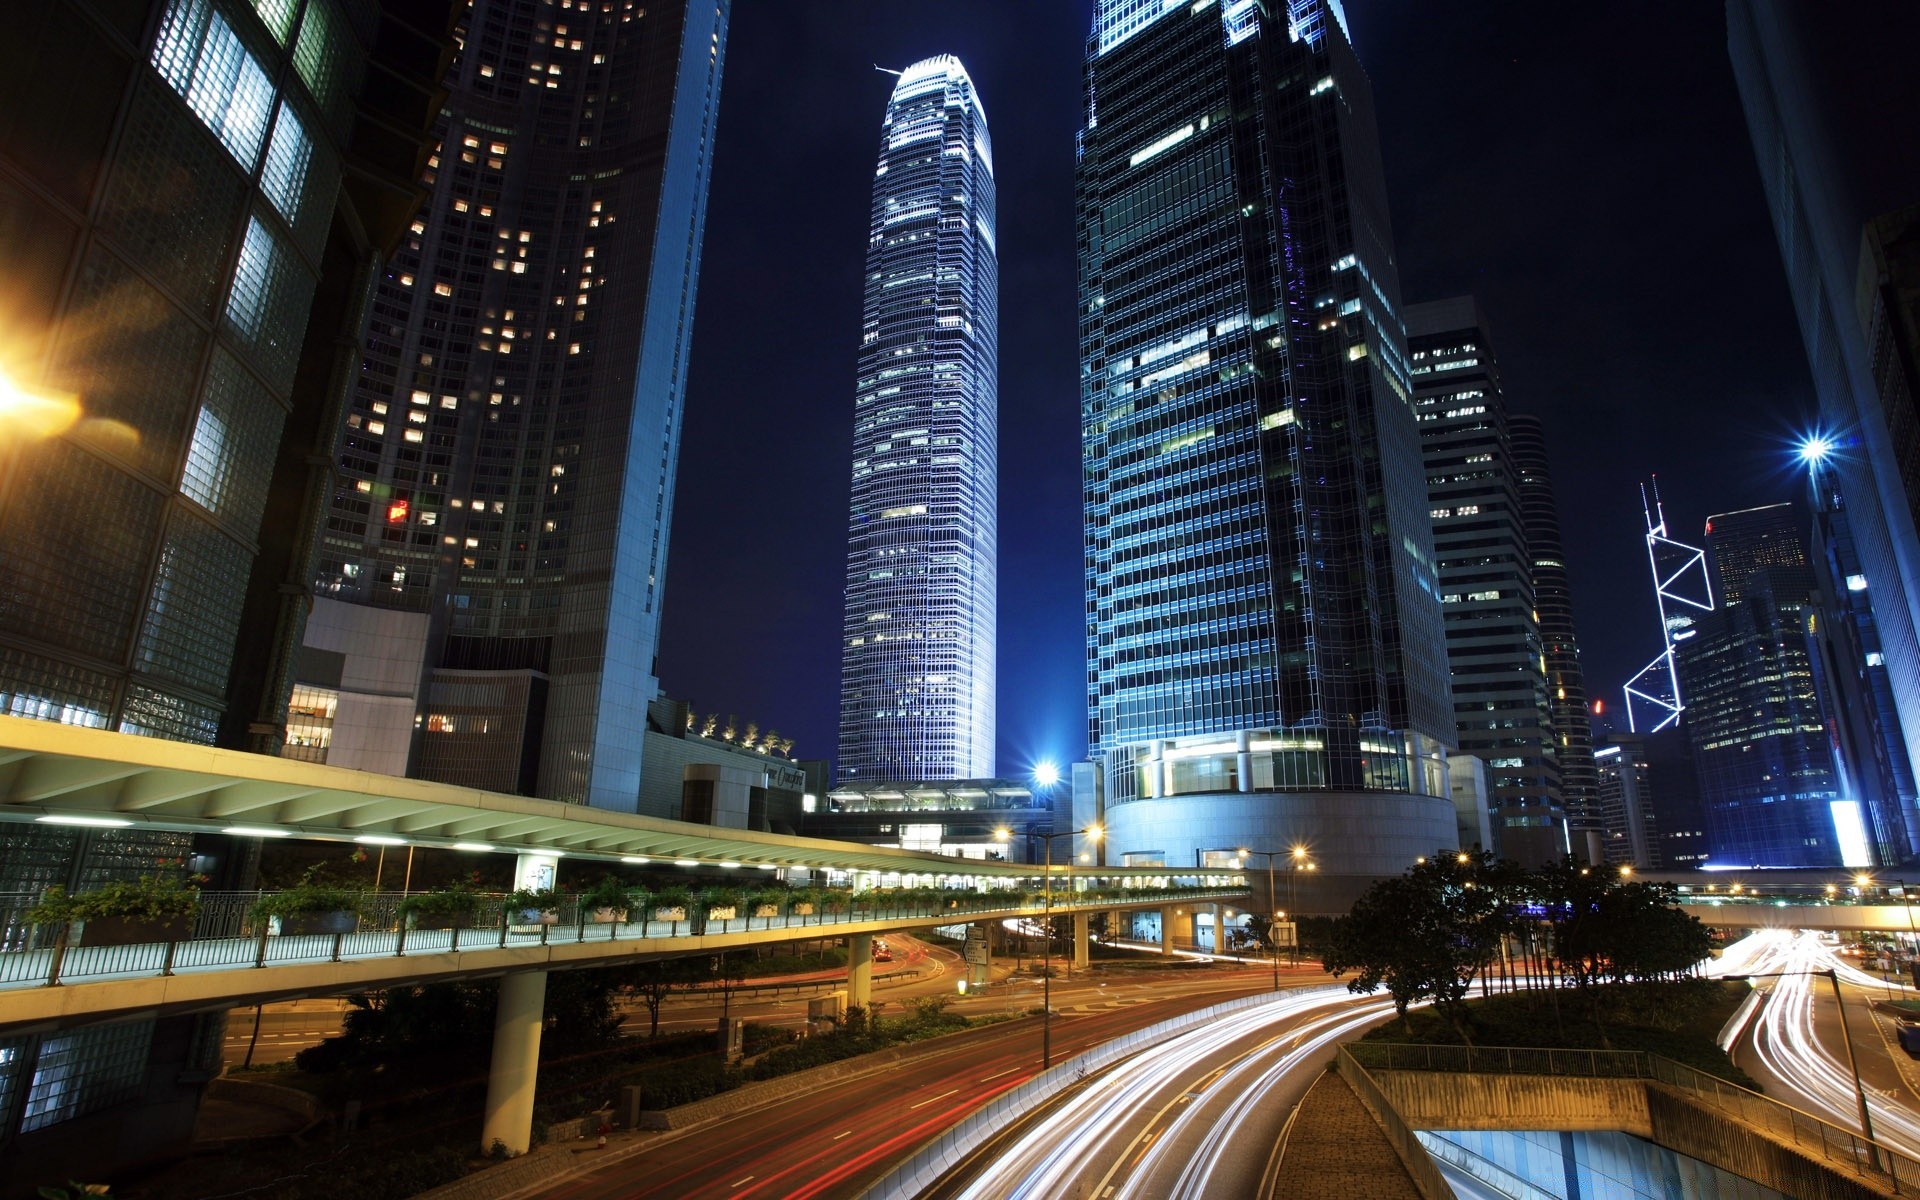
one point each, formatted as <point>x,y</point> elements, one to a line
<point>225,934</point>
<point>1804,1131</point>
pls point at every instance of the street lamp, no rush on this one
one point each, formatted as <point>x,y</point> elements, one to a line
<point>1846,1039</point>
<point>1093,833</point>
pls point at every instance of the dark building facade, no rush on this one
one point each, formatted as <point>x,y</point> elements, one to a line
<point>1771,782</point>
<point>1266,661</point>
<point>1630,821</point>
<point>1553,609</point>
<point>1819,95</point>
<point>496,545</point>
<point>1494,651</point>
<point>195,197</point>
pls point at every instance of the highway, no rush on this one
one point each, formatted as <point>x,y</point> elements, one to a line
<point>1792,1043</point>
<point>1198,1116</point>
<point>836,1141</point>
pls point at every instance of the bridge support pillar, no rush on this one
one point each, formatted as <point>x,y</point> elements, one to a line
<point>860,970</point>
<point>1166,931</point>
<point>516,1062</point>
<point>1082,924</point>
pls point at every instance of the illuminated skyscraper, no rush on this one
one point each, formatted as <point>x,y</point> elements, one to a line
<point>492,569</point>
<point>1486,582</point>
<point>1266,661</point>
<point>917,666</point>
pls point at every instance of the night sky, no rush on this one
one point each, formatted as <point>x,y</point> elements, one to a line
<point>1586,173</point>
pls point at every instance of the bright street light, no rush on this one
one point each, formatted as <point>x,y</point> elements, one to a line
<point>35,414</point>
<point>1815,448</point>
<point>1046,773</point>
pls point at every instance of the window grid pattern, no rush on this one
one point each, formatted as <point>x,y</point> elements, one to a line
<point>172,200</point>
<point>136,359</point>
<point>1258,557</point>
<point>917,667</point>
<point>300,181</point>
<point>230,459</point>
<point>326,63</point>
<point>85,1071</point>
<point>193,612</point>
<point>268,304</point>
<point>202,55</point>
<point>150,713</point>
<point>45,689</point>
<point>76,559</point>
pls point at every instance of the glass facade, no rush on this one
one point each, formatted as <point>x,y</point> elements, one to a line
<point>1553,609</point>
<point>507,459</point>
<point>917,666</point>
<point>1486,583</point>
<point>1263,615</point>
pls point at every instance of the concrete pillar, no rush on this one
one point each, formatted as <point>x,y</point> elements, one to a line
<point>516,1062</point>
<point>860,970</point>
<point>1166,932</point>
<point>1082,925</point>
<point>1219,929</point>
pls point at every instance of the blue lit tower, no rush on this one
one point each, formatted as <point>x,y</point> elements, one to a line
<point>917,672</point>
<point>1266,659</point>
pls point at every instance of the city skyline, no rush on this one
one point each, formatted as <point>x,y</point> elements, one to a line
<point>1584,362</point>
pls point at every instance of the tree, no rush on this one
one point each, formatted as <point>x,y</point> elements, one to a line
<point>1423,936</point>
<point>654,981</point>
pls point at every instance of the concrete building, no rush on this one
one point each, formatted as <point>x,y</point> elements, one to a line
<point>1494,650</point>
<point>505,468</point>
<point>1630,824</point>
<point>197,197</point>
<point>1821,96</point>
<point>962,817</point>
<point>917,651</point>
<point>1266,660</point>
<point>694,772</point>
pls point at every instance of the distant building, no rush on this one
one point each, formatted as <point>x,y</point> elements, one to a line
<point>506,461</point>
<point>196,196</point>
<point>1472,801</point>
<point>1553,607</point>
<point>917,652</point>
<point>1819,92</point>
<point>1630,820</point>
<point>1770,781</point>
<point>961,817</point>
<point>1266,661</point>
<point>1494,653</point>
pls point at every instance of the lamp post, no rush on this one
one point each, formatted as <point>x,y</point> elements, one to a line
<point>1046,968</point>
<point>1273,913</point>
<point>1846,1039</point>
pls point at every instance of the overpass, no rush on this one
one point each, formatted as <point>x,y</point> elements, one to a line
<point>65,775</point>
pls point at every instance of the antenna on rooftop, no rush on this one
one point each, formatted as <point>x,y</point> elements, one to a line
<point>887,70</point>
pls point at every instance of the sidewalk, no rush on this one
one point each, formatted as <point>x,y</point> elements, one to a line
<point>1334,1149</point>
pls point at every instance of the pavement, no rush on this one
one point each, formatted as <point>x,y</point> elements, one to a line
<point>1335,1149</point>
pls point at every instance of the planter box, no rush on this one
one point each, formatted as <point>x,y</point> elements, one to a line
<point>318,922</point>
<point>420,920</point>
<point>607,916</point>
<point>722,914</point>
<point>132,931</point>
<point>766,910</point>
<point>535,916</point>
<point>669,914</point>
<point>802,910</point>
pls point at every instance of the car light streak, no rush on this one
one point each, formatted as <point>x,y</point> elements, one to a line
<point>1783,1038</point>
<point>1088,1131</point>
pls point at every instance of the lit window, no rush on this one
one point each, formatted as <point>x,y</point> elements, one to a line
<point>203,58</point>
<point>261,261</point>
<point>1856,583</point>
<point>288,156</point>
<point>415,435</point>
<point>209,462</point>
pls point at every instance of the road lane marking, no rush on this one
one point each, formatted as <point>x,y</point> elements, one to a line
<point>738,1182</point>
<point>931,1099</point>
<point>838,1136</point>
<point>998,1074</point>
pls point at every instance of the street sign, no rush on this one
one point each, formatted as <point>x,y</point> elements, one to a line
<point>977,945</point>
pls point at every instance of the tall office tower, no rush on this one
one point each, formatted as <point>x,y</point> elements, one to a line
<point>196,194</point>
<point>1553,609</point>
<point>1266,661</point>
<point>917,665</point>
<point>1859,689</point>
<point>1486,584</point>
<point>1630,821</point>
<point>492,568</point>
<point>1825,102</point>
<point>1771,784</point>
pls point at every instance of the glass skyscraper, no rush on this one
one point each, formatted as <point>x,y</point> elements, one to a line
<point>1486,582</point>
<point>506,466</point>
<point>917,666</point>
<point>1266,661</point>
